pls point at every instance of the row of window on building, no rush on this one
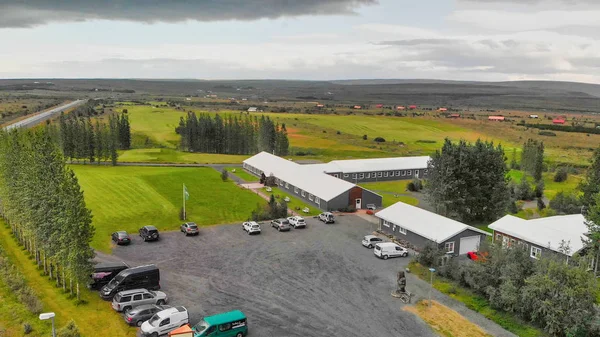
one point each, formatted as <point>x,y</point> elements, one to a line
<point>507,241</point>
<point>448,246</point>
<point>303,193</point>
<point>381,174</point>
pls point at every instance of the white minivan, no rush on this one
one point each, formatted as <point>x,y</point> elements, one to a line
<point>389,249</point>
<point>165,321</point>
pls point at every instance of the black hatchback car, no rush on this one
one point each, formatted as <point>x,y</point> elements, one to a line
<point>142,313</point>
<point>121,238</point>
<point>149,233</point>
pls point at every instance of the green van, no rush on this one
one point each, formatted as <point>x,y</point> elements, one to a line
<point>229,324</point>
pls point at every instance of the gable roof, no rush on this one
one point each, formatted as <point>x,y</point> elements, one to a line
<point>424,223</point>
<point>546,232</point>
<point>376,164</point>
<point>304,177</point>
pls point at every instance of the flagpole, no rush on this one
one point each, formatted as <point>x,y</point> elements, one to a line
<point>184,215</point>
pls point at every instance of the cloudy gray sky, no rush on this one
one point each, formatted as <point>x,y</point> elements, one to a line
<point>302,39</point>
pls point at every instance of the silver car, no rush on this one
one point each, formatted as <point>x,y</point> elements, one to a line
<point>189,228</point>
<point>282,225</point>
<point>370,241</point>
<point>129,299</point>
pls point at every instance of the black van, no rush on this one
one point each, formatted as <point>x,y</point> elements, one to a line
<point>104,272</point>
<point>147,277</point>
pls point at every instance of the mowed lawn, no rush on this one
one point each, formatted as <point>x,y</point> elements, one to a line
<point>240,173</point>
<point>166,155</point>
<point>392,192</point>
<point>127,198</point>
<point>551,188</point>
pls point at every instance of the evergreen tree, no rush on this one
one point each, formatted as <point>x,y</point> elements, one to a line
<point>591,185</point>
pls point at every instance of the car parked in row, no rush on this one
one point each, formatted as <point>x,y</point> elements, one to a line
<point>327,217</point>
<point>251,227</point>
<point>104,272</point>
<point>189,228</point>
<point>227,324</point>
<point>282,225</point>
<point>147,277</point>
<point>149,233</point>
<point>370,241</point>
<point>386,250</point>
<point>142,313</point>
<point>297,221</point>
<point>129,299</point>
<point>121,238</point>
<point>165,321</point>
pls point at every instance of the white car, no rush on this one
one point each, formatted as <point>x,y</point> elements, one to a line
<point>297,221</point>
<point>251,227</point>
<point>165,321</point>
<point>386,250</point>
<point>371,240</point>
<point>327,217</point>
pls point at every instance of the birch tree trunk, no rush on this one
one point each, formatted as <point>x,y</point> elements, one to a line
<point>64,284</point>
<point>78,291</point>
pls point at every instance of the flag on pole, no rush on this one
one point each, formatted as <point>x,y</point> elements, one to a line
<point>185,193</point>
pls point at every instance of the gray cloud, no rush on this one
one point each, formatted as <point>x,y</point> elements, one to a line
<point>16,13</point>
<point>416,42</point>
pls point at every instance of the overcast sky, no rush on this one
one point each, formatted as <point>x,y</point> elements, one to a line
<point>302,39</point>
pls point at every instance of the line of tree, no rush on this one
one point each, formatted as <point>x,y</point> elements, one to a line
<point>563,128</point>
<point>41,200</point>
<point>468,181</point>
<point>232,134</point>
<point>84,140</point>
<point>532,158</point>
<point>556,296</point>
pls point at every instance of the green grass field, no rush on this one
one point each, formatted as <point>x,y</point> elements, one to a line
<point>551,188</point>
<point>294,201</point>
<point>242,174</point>
<point>165,155</point>
<point>127,198</point>
<point>94,317</point>
<point>392,192</point>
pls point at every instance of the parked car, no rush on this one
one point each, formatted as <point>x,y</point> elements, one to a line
<point>147,277</point>
<point>104,272</point>
<point>370,241</point>
<point>297,221</point>
<point>251,227</point>
<point>121,238</point>
<point>477,256</point>
<point>165,321</point>
<point>149,233</point>
<point>385,250</point>
<point>282,225</point>
<point>129,299</point>
<point>142,313</point>
<point>190,228</point>
<point>228,324</point>
<point>327,217</point>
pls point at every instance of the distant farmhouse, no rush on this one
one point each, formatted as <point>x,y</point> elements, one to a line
<point>496,118</point>
<point>559,121</point>
<point>252,109</point>
<point>544,235</point>
<point>534,116</point>
<point>421,228</point>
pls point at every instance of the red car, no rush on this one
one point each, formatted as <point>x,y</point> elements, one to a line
<point>477,256</point>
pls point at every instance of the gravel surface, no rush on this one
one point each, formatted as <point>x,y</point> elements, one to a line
<point>318,281</point>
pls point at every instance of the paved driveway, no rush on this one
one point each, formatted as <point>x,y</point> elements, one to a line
<point>317,281</point>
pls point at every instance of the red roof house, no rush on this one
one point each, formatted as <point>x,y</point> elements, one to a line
<point>443,109</point>
<point>412,107</point>
<point>496,118</point>
<point>558,121</point>
<point>379,106</point>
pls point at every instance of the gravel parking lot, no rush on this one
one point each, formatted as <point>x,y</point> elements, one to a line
<point>318,281</point>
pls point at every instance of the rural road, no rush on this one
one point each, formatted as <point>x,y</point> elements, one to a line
<point>37,119</point>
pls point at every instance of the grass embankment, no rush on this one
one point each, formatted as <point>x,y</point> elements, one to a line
<point>127,198</point>
<point>477,303</point>
<point>93,316</point>
<point>165,155</point>
<point>445,321</point>
<point>392,192</point>
<point>242,174</point>
<point>294,202</point>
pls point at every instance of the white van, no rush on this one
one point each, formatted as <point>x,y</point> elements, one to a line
<point>389,249</point>
<point>165,321</point>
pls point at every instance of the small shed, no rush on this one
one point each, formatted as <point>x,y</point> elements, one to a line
<point>534,116</point>
<point>443,109</point>
<point>558,121</point>
<point>399,107</point>
<point>379,106</point>
<point>320,105</point>
<point>357,107</point>
<point>252,109</point>
<point>183,331</point>
<point>412,107</point>
<point>496,118</point>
